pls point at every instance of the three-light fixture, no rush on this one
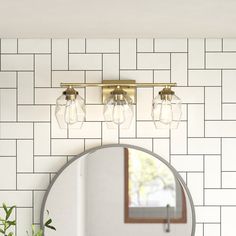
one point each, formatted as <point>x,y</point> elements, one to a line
<point>119,98</point>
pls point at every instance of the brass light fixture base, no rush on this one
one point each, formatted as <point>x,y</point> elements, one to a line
<point>129,86</point>
<point>166,93</point>
<point>70,93</point>
<point>126,85</point>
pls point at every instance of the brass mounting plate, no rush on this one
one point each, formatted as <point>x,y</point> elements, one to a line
<point>131,90</point>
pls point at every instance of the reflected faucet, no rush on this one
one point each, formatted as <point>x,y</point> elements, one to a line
<point>168,218</point>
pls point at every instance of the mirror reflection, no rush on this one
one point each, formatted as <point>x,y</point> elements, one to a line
<point>151,190</point>
<point>118,191</point>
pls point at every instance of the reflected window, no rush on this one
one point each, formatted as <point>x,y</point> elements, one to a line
<point>151,190</point>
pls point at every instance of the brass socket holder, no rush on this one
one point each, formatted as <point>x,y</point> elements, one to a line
<point>117,90</point>
<point>166,93</point>
<point>70,93</point>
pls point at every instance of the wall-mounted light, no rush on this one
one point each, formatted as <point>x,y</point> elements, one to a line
<point>166,109</point>
<point>70,108</point>
<point>119,96</point>
<point>118,108</point>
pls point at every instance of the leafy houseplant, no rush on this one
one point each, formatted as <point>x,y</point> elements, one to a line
<point>6,222</point>
<point>47,224</point>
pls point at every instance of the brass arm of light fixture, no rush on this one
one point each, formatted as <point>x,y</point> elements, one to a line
<point>82,85</point>
<point>129,86</point>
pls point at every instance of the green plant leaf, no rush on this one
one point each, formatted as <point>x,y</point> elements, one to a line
<point>33,229</point>
<point>6,225</point>
<point>51,227</point>
<point>11,222</point>
<point>1,231</point>
<point>39,233</point>
<point>5,207</point>
<point>9,212</point>
<point>10,234</point>
<point>48,222</point>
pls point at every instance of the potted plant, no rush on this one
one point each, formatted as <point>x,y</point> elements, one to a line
<point>7,223</point>
<point>47,224</point>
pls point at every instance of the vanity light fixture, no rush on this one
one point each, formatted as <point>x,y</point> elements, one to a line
<point>119,97</point>
<point>70,108</point>
<point>118,102</point>
<point>166,109</point>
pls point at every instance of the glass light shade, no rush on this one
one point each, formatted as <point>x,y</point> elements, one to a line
<point>166,113</point>
<point>70,112</point>
<point>118,110</point>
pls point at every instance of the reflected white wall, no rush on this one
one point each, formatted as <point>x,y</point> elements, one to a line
<point>81,197</point>
<point>66,201</point>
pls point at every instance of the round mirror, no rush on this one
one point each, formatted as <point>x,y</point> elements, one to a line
<point>118,190</point>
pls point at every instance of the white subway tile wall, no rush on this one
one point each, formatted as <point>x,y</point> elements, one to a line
<point>33,148</point>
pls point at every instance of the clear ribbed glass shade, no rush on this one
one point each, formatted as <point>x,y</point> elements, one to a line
<point>118,112</point>
<point>166,113</point>
<point>70,112</point>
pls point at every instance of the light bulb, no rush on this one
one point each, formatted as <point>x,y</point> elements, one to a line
<point>118,115</point>
<point>71,116</point>
<point>166,114</point>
